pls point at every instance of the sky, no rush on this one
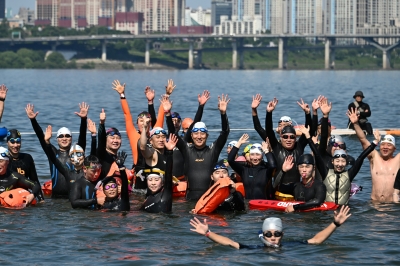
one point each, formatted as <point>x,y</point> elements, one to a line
<point>16,4</point>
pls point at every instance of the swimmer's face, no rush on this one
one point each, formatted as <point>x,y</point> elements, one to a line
<point>64,142</point>
<point>154,183</point>
<point>199,139</point>
<point>112,191</point>
<point>92,172</point>
<point>218,174</point>
<point>14,148</point>
<point>273,239</point>
<point>387,150</point>
<point>113,142</point>
<point>255,158</point>
<point>177,124</point>
<point>142,121</point>
<point>157,141</point>
<point>339,164</point>
<point>306,170</point>
<point>80,159</point>
<point>288,140</point>
<point>3,166</point>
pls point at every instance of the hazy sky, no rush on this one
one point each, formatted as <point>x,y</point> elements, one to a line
<point>16,4</point>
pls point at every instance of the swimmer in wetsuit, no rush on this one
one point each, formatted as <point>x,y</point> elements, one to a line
<point>159,183</point>
<point>64,139</point>
<point>11,180</point>
<point>272,232</point>
<point>21,163</point>
<point>257,176</point>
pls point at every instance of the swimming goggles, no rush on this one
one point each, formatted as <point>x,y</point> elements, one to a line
<point>61,136</point>
<point>94,167</point>
<point>113,133</point>
<point>230,145</point>
<point>158,131</point>
<point>78,154</point>
<point>176,115</point>
<point>13,141</point>
<point>144,114</point>
<point>288,136</point>
<point>256,147</point>
<point>340,155</point>
<point>4,154</point>
<point>342,146</point>
<point>269,234</point>
<point>107,187</point>
<point>218,167</point>
<point>200,129</point>
<point>285,120</point>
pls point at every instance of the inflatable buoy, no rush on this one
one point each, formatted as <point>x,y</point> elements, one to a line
<point>3,132</point>
<point>47,188</point>
<point>179,190</point>
<point>15,198</point>
<point>214,196</point>
<point>279,205</point>
<point>283,197</point>
<point>240,188</point>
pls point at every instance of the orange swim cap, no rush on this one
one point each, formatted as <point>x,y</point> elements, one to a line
<point>186,123</point>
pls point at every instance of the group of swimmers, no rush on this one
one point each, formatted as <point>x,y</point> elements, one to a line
<point>162,158</point>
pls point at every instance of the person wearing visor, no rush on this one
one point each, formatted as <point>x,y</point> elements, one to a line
<point>83,193</point>
<point>199,158</point>
<point>363,111</point>
<point>257,176</point>
<point>21,163</point>
<point>159,183</point>
<point>60,187</point>
<point>272,233</point>
<point>11,180</point>
<point>287,146</point>
<point>383,164</point>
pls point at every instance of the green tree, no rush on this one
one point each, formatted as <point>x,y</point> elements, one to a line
<point>55,60</point>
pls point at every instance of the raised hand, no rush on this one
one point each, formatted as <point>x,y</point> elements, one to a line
<point>198,226</point>
<point>3,92</point>
<point>305,131</point>
<point>117,86</point>
<point>304,106</point>
<point>30,111</point>
<point>256,101</point>
<point>271,105</point>
<point>265,147</point>
<point>288,163</point>
<point>48,133</point>
<point>166,103</point>
<point>84,108</point>
<point>325,106</point>
<point>102,116</point>
<point>91,126</point>
<point>149,94</point>
<point>120,159</point>
<point>146,124</point>
<point>377,135</point>
<point>352,115</point>
<point>203,98</point>
<point>223,101</point>
<point>171,143</point>
<point>341,216</point>
<point>315,103</point>
<point>243,139</point>
<point>170,87</point>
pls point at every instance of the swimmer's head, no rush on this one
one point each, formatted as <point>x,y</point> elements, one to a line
<point>113,139</point>
<point>92,168</point>
<point>230,146</point>
<point>339,160</point>
<point>272,232</point>
<point>288,137</point>
<point>305,165</point>
<point>199,135</point>
<point>143,118</point>
<point>255,154</point>
<point>110,187</point>
<point>177,120</point>
<point>157,137</point>
<point>4,160</point>
<point>155,179</point>
<point>77,155</point>
<point>336,142</point>
<point>284,121</point>
<point>186,123</point>
<point>219,170</point>
<point>14,141</point>
<point>64,138</point>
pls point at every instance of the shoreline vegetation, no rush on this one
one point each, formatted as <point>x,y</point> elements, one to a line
<point>130,54</point>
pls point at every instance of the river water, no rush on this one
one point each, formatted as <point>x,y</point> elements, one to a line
<point>55,233</point>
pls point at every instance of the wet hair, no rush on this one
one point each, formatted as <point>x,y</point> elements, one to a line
<point>91,159</point>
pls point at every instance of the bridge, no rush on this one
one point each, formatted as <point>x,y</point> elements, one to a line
<point>237,45</point>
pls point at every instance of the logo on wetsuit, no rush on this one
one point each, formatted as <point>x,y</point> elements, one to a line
<point>20,171</point>
<point>199,160</point>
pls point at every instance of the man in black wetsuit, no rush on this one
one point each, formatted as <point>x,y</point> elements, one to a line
<point>199,158</point>
<point>21,163</point>
<point>363,111</point>
<point>11,180</point>
<point>272,232</point>
<point>64,139</point>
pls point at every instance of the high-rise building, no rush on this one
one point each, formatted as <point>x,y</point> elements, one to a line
<point>248,10</point>
<point>27,15</point>
<point>160,15</point>
<point>220,8</point>
<point>2,9</point>
<point>282,16</point>
<point>47,12</point>
<point>92,12</point>
<point>340,16</point>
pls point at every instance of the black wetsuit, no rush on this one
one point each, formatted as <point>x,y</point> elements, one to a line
<point>11,180</point>
<point>362,119</point>
<point>161,201</point>
<point>60,185</point>
<point>257,180</point>
<point>106,159</point>
<point>235,202</point>
<point>25,166</point>
<point>83,194</point>
<point>288,244</point>
<point>397,180</point>
<point>198,162</point>
<point>120,203</point>
<point>284,181</point>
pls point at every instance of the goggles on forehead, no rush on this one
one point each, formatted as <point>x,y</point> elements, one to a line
<point>13,141</point>
<point>78,154</point>
<point>4,154</point>
<point>285,120</point>
<point>175,115</point>
<point>113,133</point>
<point>144,114</point>
<point>218,167</point>
<point>93,167</point>
<point>256,147</point>
<point>159,131</point>
<point>342,146</point>
<point>388,140</point>
<point>200,129</point>
<point>336,156</point>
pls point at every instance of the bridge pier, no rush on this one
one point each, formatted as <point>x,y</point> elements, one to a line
<point>190,57</point>
<point>282,53</point>
<point>329,53</point>
<point>147,54</point>
<point>234,54</point>
<point>198,58</point>
<point>385,51</point>
<point>104,51</point>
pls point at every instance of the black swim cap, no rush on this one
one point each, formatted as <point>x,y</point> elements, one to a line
<point>220,165</point>
<point>109,179</point>
<point>13,134</point>
<point>144,114</point>
<point>112,131</point>
<point>306,159</point>
<point>288,129</point>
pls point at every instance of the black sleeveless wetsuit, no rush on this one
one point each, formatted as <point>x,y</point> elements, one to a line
<point>11,180</point>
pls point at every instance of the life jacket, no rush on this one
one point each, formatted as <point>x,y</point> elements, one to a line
<point>47,187</point>
<point>114,168</point>
<point>337,187</point>
<point>240,188</point>
<point>179,190</point>
<point>214,196</point>
<point>15,198</point>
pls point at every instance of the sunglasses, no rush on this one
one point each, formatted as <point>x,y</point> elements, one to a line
<point>64,136</point>
<point>340,155</point>
<point>78,154</point>
<point>107,187</point>
<point>199,129</point>
<point>288,136</point>
<point>157,132</point>
<point>13,141</point>
<point>269,234</point>
<point>342,146</point>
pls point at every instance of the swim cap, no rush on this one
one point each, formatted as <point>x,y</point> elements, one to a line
<point>13,134</point>
<point>4,154</point>
<point>200,125</point>
<point>256,148</point>
<point>389,139</point>
<point>186,123</point>
<point>150,173</point>
<point>272,223</point>
<point>247,148</point>
<point>112,131</point>
<point>339,153</point>
<point>108,179</point>
<point>306,159</point>
<point>285,119</point>
<point>232,143</point>
<point>63,131</point>
<point>176,115</point>
<point>288,129</point>
<point>335,139</point>
<point>157,130</point>
<point>76,148</point>
<point>220,165</point>
<point>144,114</point>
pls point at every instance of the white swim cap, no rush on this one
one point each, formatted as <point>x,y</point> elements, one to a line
<point>63,131</point>
<point>389,139</point>
<point>272,223</point>
<point>4,154</point>
<point>200,125</point>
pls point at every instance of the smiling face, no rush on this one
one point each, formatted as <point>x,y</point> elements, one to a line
<point>387,150</point>
<point>255,158</point>
<point>157,141</point>
<point>14,147</point>
<point>113,142</point>
<point>339,164</point>
<point>64,141</point>
<point>111,190</point>
<point>199,139</point>
<point>154,183</point>
<point>288,140</point>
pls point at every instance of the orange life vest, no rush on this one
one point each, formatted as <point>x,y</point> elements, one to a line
<point>214,196</point>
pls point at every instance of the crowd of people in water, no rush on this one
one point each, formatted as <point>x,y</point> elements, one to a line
<point>276,168</point>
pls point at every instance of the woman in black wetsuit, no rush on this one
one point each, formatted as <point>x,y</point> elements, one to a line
<point>257,177</point>
<point>159,184</point>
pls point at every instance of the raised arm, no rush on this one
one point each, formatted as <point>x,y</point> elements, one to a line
<point>315,107</point>
<point>325,109</point>
<point>93,131</point>
<point>120,160</point>
<point>3,95</point>
<point>30,112</point>
<point>167,105</point>
<point>53,157</point>
<point>101,147</point>
<point>269,127</point>
<point>352,114</point>
<point>169,145</point>
<point>83,112</point>
<point>146,150</point>
<point>302,141</point>
<point>256,122</point>
<point>150,104</point>
<point>237,167</point>
<point>286,166</point>
<point>223,136</point>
